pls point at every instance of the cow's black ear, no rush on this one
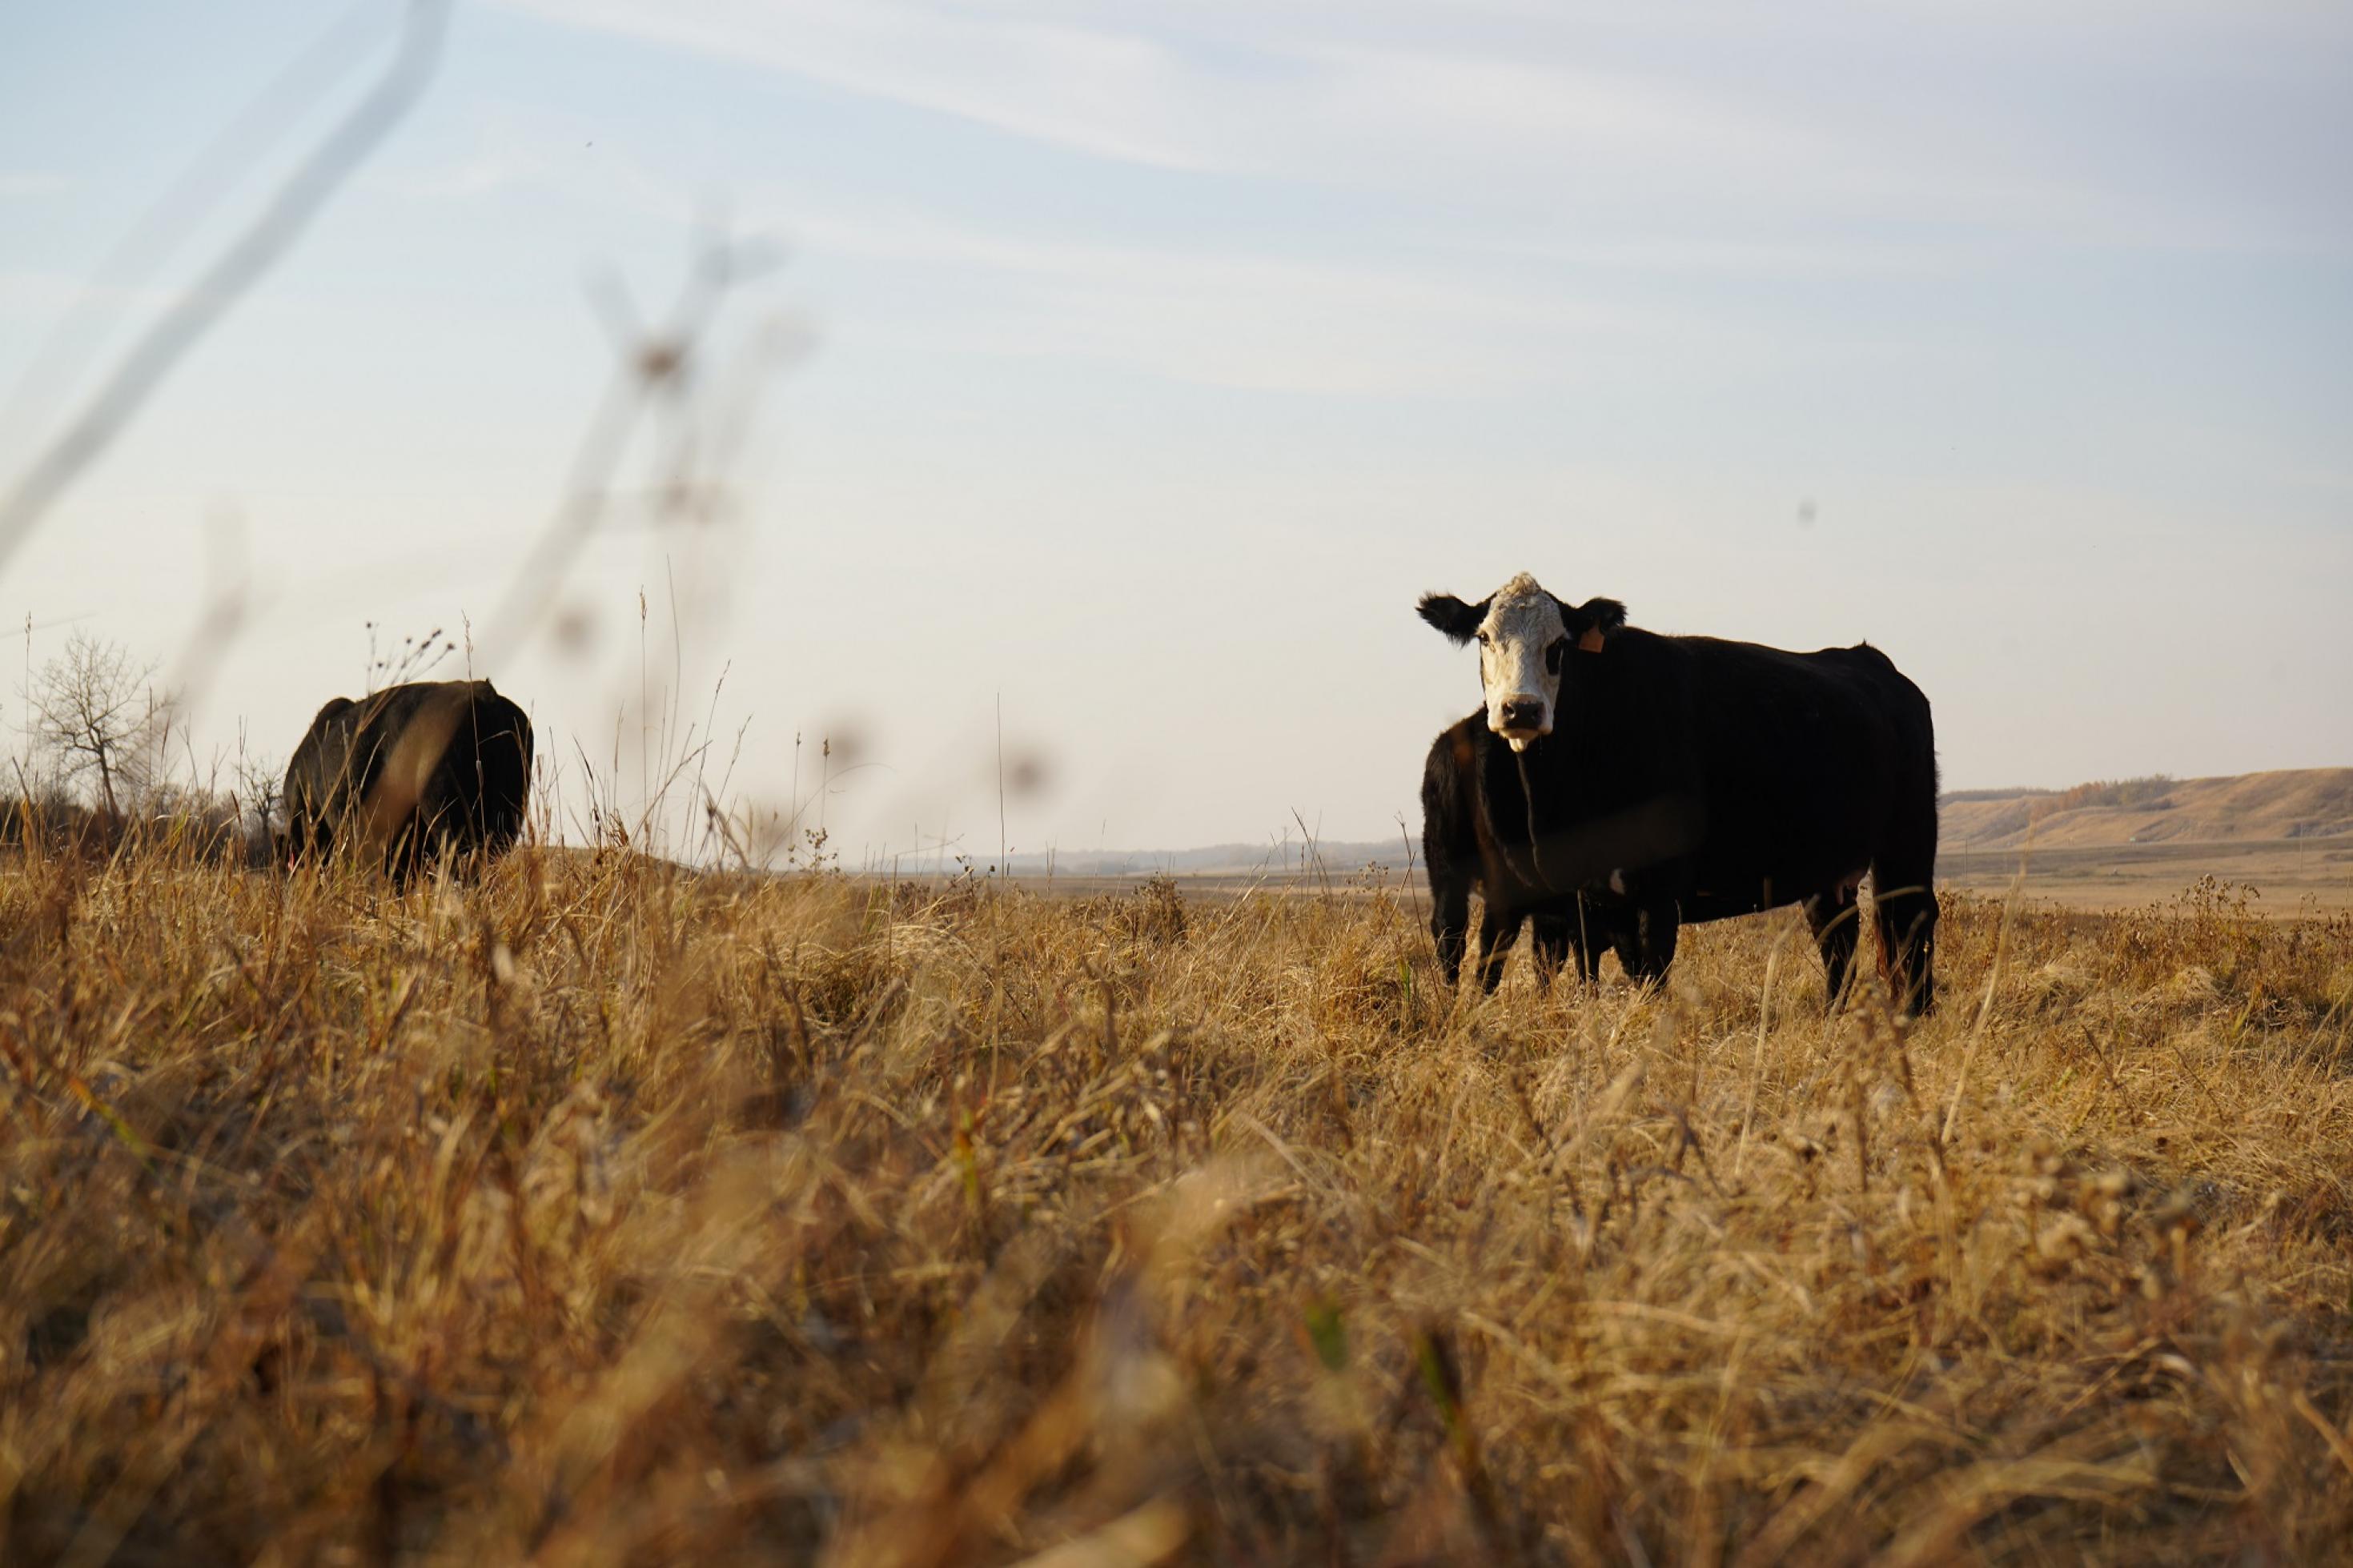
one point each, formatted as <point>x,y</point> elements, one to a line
<point>1603,615</point>
<point>1593,622</point>
<point>1451,616</point>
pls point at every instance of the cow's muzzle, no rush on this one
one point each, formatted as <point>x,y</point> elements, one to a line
<point>1522,719</point>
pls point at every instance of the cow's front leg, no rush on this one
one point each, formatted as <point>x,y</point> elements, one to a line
<point>1498,929</point>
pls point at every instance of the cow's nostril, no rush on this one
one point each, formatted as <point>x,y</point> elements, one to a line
<point>1523,715</point>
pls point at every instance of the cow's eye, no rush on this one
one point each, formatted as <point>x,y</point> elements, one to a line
<point>1482,640</point>
<point>1554,655</point>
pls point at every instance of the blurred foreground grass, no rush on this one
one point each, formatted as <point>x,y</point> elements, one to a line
<point>600,1212</point>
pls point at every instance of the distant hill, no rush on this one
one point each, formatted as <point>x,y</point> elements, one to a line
<point>2304,802</point>
<point>2301,803</point>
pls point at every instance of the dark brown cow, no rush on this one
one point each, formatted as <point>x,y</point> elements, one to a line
<point>410,773</point>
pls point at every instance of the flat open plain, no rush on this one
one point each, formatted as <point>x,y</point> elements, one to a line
<point>2290,876</point>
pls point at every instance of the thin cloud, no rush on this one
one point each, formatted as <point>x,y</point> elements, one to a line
<point>17,184</point>
<point>1829,119</point>
<point>1234,319</point>
<point>35,294</point>
<point>1111,95</point>
<point>1327,108</point>
<point>489,171</point>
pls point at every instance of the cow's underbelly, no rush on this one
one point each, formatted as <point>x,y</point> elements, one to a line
<point>1720,885</point>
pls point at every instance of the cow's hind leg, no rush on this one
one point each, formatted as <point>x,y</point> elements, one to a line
<point>1645,939</point>
<point>1498,929</point>
<point>1836,923</point>
<point>1904,887</point>
<point>402,861</point>
<point>1907,942</point>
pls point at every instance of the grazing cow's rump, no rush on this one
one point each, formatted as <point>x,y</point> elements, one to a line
<point>409,771</point>
<point>1681,778</point>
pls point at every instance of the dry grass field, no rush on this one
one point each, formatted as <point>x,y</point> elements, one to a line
<point>597,1212</point>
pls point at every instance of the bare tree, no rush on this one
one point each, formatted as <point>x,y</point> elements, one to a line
<point>99,712</point>
<point>261,784</point>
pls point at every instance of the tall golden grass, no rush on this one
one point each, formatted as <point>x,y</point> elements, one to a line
<point>596,1211</point>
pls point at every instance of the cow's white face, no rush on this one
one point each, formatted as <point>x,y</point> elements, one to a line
<point>1526,639</point>
<point>1523,641</point>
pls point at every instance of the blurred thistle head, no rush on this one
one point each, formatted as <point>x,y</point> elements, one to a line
<point>575,630</point>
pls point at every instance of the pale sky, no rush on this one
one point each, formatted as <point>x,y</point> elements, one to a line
<point>1158,355</point>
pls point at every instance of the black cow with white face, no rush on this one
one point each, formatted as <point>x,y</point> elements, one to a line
<point>409,773</point>
<point>1666,779</point>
